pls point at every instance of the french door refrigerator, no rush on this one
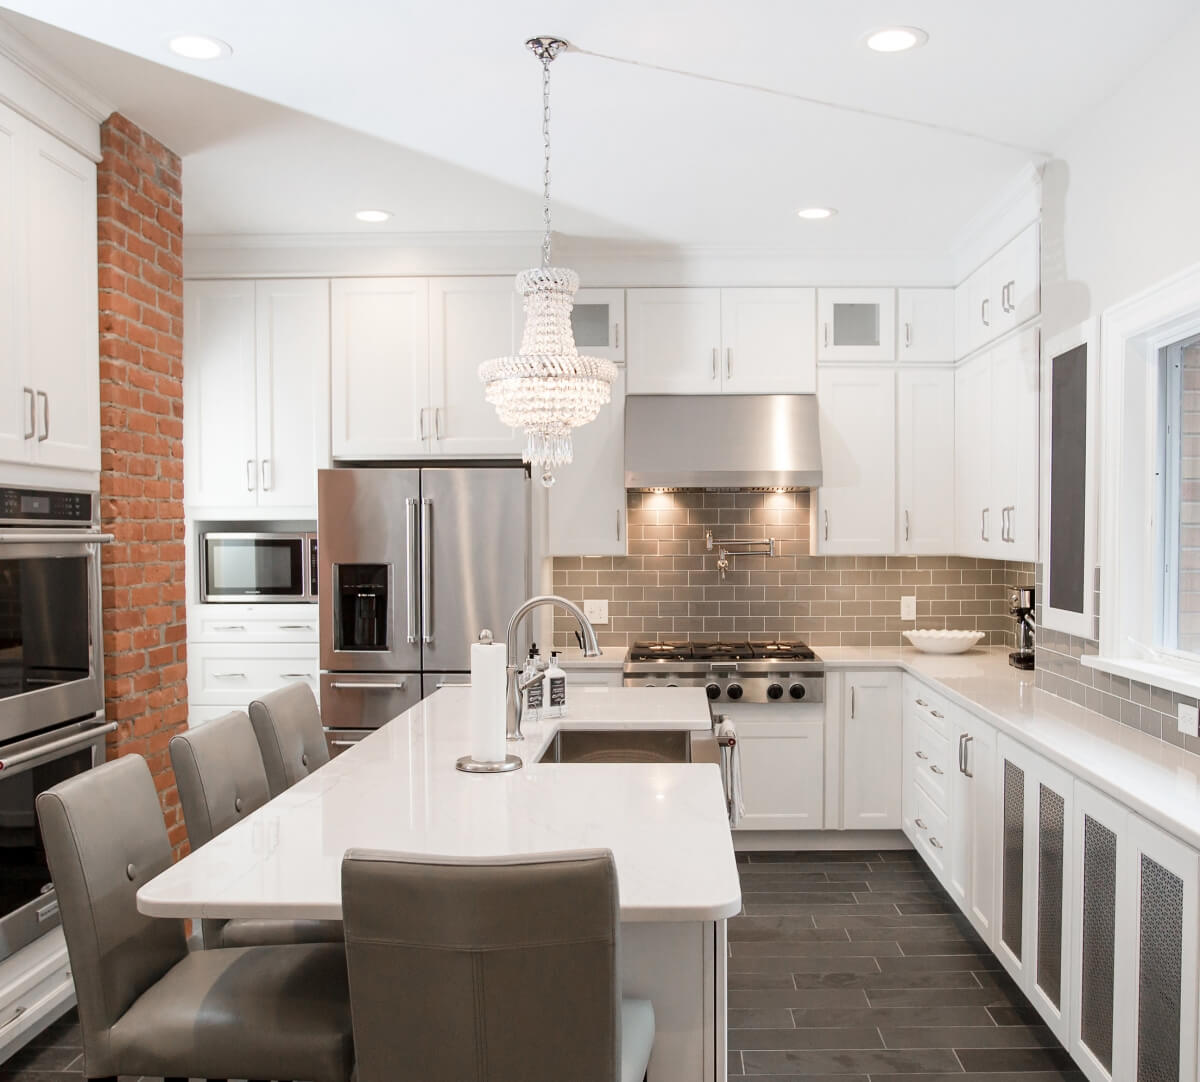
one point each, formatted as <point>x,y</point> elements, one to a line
<point>413,564</point>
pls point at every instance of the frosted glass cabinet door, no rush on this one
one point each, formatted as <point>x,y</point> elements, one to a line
<point>856,324</point>
<point>598,320</point>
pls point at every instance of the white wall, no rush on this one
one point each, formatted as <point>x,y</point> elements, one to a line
<point>1121,202</point>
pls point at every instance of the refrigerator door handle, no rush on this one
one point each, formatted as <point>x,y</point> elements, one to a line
<point>410,567</point>
<point>426,569</point>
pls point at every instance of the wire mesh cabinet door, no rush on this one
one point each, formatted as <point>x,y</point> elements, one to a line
<point>1014,786</point>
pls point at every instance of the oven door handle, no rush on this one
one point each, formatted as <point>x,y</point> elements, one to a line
<point>55,746</point>
<point>48,537</point>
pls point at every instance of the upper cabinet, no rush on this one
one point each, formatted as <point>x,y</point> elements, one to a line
<point>925,326</point>
<point>598,320</point>
<point>50,366</point>
<point>856,324</point>
<point>255,393</point>
<point>1001,295</point>
<point>711,341</point>
<point>405,366</point>
<point>925,459</point>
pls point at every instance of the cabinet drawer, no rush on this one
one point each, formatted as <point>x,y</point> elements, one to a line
<point>253,623</point>
<point>932,833</point>
<point>932,755</point>
<point>219,674</point>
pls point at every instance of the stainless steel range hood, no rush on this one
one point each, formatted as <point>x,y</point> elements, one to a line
<point>722,441</point>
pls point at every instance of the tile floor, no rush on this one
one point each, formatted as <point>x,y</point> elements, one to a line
<point>858,966</point>
<point>844,967</point>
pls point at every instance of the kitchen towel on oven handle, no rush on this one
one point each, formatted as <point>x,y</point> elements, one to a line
<point>731,768</point>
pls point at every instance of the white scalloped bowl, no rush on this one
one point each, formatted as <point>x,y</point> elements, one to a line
<point>937,641</point>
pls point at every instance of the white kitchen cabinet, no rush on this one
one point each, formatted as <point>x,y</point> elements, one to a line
<point>256,393</point>
<point>981,309</point>
<point>856,324</point>
<point>471,320</point>
<point>232,673</point>
<point>782,774</point>
<point>1133,947</point>
<point>1002,294</point>
<point>586,515</point>
<point>925,460</point>
<point>380,367</point>
<point>973,427</point>
<point>768,341</point>
<point>674,341</point>
<point>252,624</point>
<point>856,503</point>
<point>925,326</point>
<point>598,321</point>
<point>972,858</point>
<point>872,753</point>
<point>1014,418</point>
<point>16,405</point>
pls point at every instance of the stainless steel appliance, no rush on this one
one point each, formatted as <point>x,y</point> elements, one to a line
<point>1020,605</point>
<point>783,673</point>
<point>413,564</point>
<point>52,721</point>
<point>258,567</point>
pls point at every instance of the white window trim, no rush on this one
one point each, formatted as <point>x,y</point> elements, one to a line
<point>1132,334</point>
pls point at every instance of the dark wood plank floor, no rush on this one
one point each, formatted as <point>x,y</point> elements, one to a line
<point>858,966</point>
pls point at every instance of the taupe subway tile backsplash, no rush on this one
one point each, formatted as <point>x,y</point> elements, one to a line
<point>668,585</point>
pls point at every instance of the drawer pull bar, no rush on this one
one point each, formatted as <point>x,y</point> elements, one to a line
<point>922,755</point>
<point>297,675</point>
<point>343,743</point>
<point>921,823</point>
<point>16,1014</point>
<point>936,769</point>
<point>921,702</point>
<point>398,685</point>
<point>229,676</point>
<point>229,627</point>
<point>936,714</point>
<point>934,842</point>
<point>296,627</point>
<point>966,754</point>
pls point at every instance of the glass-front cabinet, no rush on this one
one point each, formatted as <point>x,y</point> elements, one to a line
<point>856,324</point>
<point>598,320</point>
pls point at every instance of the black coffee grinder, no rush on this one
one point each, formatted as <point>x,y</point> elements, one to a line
<point>1020,605</point>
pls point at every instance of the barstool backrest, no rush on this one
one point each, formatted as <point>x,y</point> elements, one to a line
<point>291,738</point>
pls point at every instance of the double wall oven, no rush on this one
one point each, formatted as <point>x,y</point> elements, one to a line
<point>52,723</point>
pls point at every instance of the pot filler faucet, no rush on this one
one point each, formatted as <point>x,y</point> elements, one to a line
<point>517,685</point>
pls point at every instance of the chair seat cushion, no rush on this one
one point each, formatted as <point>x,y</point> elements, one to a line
<point>637,1038</point>
<point>254,932</point>
<point>244,1012</point>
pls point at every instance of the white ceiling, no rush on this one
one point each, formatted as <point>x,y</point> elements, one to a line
<point>432,110</point>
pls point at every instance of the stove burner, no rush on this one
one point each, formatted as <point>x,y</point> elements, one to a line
<point>661,651</point>
<point>785,651</point>
<point>722,651</point>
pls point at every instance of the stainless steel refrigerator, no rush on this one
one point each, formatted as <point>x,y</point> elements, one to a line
<point>413,564</point>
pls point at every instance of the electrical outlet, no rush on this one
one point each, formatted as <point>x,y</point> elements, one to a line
<point>1189,720</point>
<point>908,607</point>
<point>596,610</point>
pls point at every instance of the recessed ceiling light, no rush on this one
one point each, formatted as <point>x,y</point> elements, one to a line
<point>373,215</point>
<point>815,214</point>
<point>198,47</point>
<point>896,39</point>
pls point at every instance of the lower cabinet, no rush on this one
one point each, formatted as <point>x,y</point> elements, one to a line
<point>871,751</point>
<point>783,768</point>
<point>972,875</point>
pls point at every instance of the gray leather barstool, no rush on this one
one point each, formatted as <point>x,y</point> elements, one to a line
<point>221,779</point>
<point>291,738</point>
<point>147,1006</point>
<point>490,970</point>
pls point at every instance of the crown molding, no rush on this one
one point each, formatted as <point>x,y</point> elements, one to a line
<point>1017,205</point>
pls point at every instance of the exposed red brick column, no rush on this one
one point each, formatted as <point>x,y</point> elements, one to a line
<point>141,437</point>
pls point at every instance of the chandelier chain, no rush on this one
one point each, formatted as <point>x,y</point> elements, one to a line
<point>546,148</point>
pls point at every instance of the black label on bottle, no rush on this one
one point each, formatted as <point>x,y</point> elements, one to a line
<point>534,696</point>
<point>558,691</point>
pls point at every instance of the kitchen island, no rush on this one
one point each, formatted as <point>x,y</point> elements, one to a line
<point>398,790</point>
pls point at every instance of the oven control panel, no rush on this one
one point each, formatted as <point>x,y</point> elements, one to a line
<point>782,687</point>
<point>46,507</point>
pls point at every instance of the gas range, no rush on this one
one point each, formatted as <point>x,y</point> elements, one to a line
<point>746,671</point>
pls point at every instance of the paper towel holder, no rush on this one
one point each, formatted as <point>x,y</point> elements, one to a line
<point>469,765</point>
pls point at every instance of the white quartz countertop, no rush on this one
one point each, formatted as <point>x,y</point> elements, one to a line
<point>1157,780</point>
<point>399,790</point>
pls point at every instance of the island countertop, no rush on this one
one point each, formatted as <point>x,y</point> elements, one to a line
<point>399,790</point>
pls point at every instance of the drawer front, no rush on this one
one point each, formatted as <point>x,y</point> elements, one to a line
<point>227,674</point>
<point>225,627</point>
<point>932,758</point>
<point>366,700</point>
<point>932,830</point>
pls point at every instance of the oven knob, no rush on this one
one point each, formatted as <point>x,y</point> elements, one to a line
<point>734,691</point>
<point>797,691</point>
<point>775,691</point>
<point>713,691</point>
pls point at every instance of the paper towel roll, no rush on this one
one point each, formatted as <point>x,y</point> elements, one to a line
<point>488,701</point>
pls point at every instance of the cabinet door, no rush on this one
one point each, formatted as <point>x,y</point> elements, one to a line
<point>1012,933</point>
<point>292,361</point>
<point>220,458</point>
<point>962,321</point>
<point>471,320</point>
<point>769,341</point>
<point>1016,278</point>
<point>64,335</point>
<point>983,313</point>
<point>16,403</point>
<point>598,320</point>
<point>856,324</point>
<point>380,367</point>
<point>674,341</point>
<point>925,459</point>
<point>872,752</point>
<point>587,503</point>
<point>857,498</point>
<point>1013,418</point>
<point>973,832</point>
<point>973,457</point>
<point>925,325</point>
<point>782,774</point>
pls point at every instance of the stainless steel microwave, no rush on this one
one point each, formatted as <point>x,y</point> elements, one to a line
<point>258,567</point>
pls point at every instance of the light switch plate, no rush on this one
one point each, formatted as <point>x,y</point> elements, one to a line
<point>908,607</point>
<point>596,610</point>
<point>1189,720</point>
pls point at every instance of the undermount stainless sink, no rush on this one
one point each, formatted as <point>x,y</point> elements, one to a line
<point>619,746</point>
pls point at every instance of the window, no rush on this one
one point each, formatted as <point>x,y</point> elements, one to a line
<point>1179,541</point>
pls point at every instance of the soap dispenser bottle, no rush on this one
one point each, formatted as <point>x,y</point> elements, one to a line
<point>535,693</point>
<point>556,694</point>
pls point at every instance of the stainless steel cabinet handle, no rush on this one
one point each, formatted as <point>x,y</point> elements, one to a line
<point>31,406</point>
<point>45,416</point>
<point>266,474</point>
<point>729,362</point>
<point>465,682</point>
<point>920,823</point>
<point>921,702</point>
<point>983,311</point>
<point>714,366</point>
<point>851,700</point>
<point>961,738</point>
<point>616,336</point>
<point>296,627</point>
<point>394,685</point>
<point>437,422</point>
<point>967,738</point>
<point>936,769</point>
<point>983,522</point>
<point>229,676</point>
<point>249,475</point>
<point>826,338</point>
<point>908,334</point>
<point>826,525</point>
<point>229,627</point>
<point>16,1014</point>
<point>426,569</point>
<point>343,743</point>
<point>1007,531</point>
<point>934,842</point>
<point>618,524</point>
<point>906,529</point>
<point>421,424</point>
<point>55,746</point>
<point>936,714</point>
<point>410,567</point>
<point>922,755</point>
<point>296,675</point>
<point>1009,304</point>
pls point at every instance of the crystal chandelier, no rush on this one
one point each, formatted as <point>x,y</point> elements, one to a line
<point>547,388</point>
